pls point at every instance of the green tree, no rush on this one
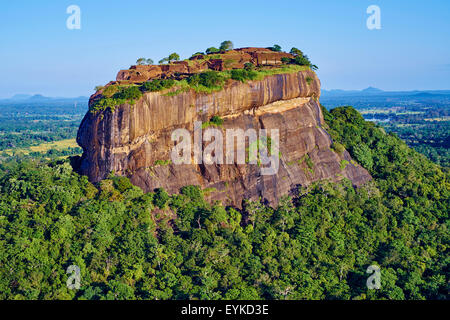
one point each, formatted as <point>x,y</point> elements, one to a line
<point>226,45</point>
<point>275,48</point>
<point>296,52</point>
<point>212,50</point>
<point>173,57</point>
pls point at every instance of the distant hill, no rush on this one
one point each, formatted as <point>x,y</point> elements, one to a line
<point>28,98</point>
<point>20,96</point>
<point>371,91</point>
<point>38,97</point>
<point>339,92</point>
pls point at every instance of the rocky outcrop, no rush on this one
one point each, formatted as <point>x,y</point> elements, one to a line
<point>135,140</point>
<point>226,60</point>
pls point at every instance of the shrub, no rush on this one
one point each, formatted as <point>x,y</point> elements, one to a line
<point>343,164</point>
<point>339,148</point>
<point>215,121</point>
<point>157,84</point>
<point>129,93</point>
<point>243,75</point>
<point>115,95</point>
<point>162,162</point>
<point>302,61</point>
<point>218,121</point>
<point>209,79</point>
<point>249,66</point>
<point>212,50</point>
<point>198,54</point>
<point>109,91</point>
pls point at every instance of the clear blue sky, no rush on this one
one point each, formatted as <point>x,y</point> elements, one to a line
<point>38,54</point>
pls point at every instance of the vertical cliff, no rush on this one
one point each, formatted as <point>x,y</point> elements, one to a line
<point>135,140</point>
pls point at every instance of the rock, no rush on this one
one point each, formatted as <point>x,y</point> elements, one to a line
<point>135,140</point>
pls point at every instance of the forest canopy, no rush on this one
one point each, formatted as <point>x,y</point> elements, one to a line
<point>314,245</point>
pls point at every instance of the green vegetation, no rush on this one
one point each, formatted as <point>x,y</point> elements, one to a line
<point>337,147</point>
<point>343,164</point>
<point>197,54</point>
<point>308,161</point>
<point>208,79</point>
<point>226,45</point>
<point>300,59</point>
<point>144,61</point>
<point>115,95</point>
<point>157,85</point>
<point>275,48</point>
<point>243,75</point>
<point>249,66</point>
<point>162,162</point>
<point>212,50</point>
<point>215,121</point>
<point>315,245</point>
<point>206,82</point>
<point>35,130</point>
<point>422,121</point>
<point>172,57</point>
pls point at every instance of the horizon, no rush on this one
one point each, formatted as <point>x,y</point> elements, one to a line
<point>30,95</point>
<point>43,56</point>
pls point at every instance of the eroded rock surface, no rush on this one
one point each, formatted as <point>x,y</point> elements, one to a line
<point>135,140</point>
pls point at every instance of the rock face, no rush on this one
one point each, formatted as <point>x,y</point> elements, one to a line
<point>135,140</point>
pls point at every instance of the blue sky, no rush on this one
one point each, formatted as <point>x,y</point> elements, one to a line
<point>38,54</point>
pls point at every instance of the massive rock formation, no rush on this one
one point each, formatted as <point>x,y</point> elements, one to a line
<point>135,140</point>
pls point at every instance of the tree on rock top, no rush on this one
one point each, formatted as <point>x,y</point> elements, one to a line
<point>144,61</point>
<point>275,48</point>
<point>226,45</point>
<point>296,52</point>
<point>172,57</point>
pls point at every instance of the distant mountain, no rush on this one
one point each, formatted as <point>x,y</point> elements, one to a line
<point>39,97</point>
<point>372,90</point>
<point>20,96</point>
<point>28,98</point>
